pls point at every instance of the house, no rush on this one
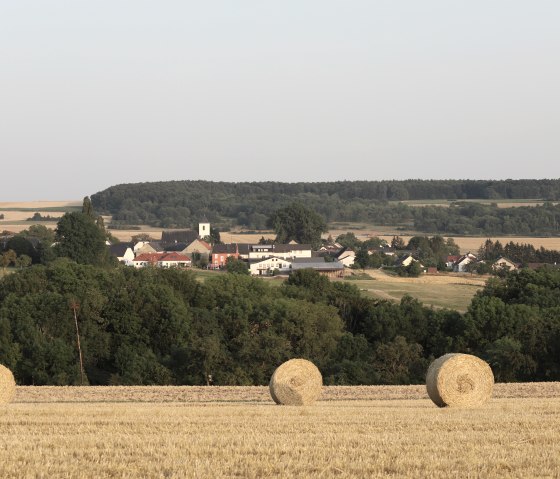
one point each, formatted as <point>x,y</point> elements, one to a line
<point>161,260</point>
<point>451,260</point>
<point>286,251</point>
<point>199,247</point>
<point>178,236</point>
<point>186,236</point>
<point>123,252</point>
<point>147,247</point>
<point>268,265</point>
<point>460,266</point>
<point>220,254</point>
<point>405,260</point>
<point>504,264</point>
<point>347,257</point>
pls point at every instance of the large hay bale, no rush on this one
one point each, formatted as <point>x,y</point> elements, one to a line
<point>7,385</point>
<point>459,380</point>
<point>296,382</point>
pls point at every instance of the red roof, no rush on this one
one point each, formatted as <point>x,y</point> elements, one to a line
<point>157,257</point>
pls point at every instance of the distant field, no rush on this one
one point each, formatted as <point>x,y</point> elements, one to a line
<point>218,432</point>
<point>501,203</point>
<point>16,213</point>
<point>441,291</point>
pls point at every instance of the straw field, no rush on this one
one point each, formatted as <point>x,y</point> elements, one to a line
<point>239,432</point>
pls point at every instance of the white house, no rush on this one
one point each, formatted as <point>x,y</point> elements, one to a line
<point>268,265</point>
<point>161,260</point>
<point>504,263</point>
<point>285,251</point>
<point>460,266</point>
<point>347,257</point>
<point>406,260</point>
<point>122,251</point>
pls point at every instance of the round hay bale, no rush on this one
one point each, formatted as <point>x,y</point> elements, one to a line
<point>7,385</point>
<point>296,382</point>
<point>459,380</point>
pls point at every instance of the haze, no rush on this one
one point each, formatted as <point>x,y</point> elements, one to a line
<point>94,94</point>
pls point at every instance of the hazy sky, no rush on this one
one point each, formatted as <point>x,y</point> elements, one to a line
<point>96,93</point>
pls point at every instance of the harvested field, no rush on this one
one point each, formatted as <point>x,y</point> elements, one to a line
<point>238,432</point>
<point>473,243</point>
<point>16,213</point>
<point>453,291</point>
<point>38,205</point>
<point>250,394</point>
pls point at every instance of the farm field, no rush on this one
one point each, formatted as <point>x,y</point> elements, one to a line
<point>371,431</point>
<point>452,291</point>
<point>16,213</point>
<point>501,203</point>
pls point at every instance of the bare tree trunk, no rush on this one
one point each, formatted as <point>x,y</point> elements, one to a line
<point>74,307</point>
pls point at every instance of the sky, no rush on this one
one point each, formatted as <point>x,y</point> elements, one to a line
<point>98,93</point>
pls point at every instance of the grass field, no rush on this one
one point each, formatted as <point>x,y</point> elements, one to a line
<point>215,432</point>
<point>453,291</point>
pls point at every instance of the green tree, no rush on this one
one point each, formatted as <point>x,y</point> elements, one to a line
<point>87,208</point>
<point>8,258</point>
<point>79,239</point>
<point>399,362</point>
<point>349,240</point>
<point>236,266</point>
<point>508,361</point>
<point>299,223</point>
<point>23,261</point>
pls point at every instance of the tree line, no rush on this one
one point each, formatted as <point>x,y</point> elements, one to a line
<point>182,203</point>
<point>522,253</point>
<point>158,326</point>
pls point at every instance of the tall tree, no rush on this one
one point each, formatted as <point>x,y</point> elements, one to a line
<point>80,239</point>
<point>299,223</point>
<point>87,207</point>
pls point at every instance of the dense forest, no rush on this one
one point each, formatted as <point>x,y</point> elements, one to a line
<point>251,205</point>
<point>157,326</point>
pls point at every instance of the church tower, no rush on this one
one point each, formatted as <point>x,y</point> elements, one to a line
<point>204,227</point>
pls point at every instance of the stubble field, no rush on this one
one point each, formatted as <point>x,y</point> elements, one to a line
<point>218,432</point>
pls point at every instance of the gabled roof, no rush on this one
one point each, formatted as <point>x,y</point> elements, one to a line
<point>203,243</point>
<point>174,256</point>
<point>155,245</point>
<point>176,247</point>
<point>345,253</point>
<point>158,257</point>
<point>316,264</point>
<point>469,256</point>
<point>119,249</point>
<point>230,248</point>
<point>262,260</point>
<point>178,236</point>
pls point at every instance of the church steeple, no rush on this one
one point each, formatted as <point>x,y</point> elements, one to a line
<point>204,227</point>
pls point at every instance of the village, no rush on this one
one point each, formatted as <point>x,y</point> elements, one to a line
<point>189,248</point>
